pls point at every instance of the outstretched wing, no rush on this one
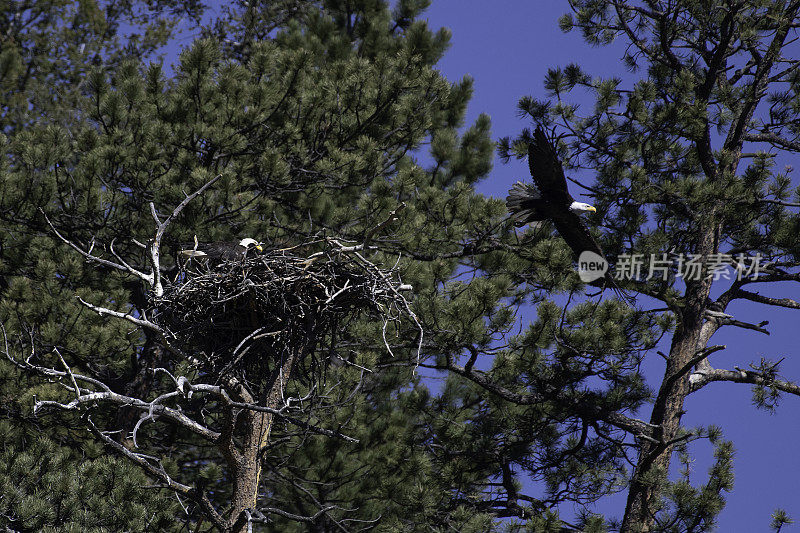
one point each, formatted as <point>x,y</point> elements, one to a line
<point>572,229</point>
<point>546,169</point>
<point>577,236</point>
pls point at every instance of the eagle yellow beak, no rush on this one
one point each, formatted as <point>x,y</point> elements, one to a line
<point>259,248</point>
<point>592,209</point>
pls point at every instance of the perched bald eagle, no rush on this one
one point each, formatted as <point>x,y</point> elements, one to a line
<point>222,251</point>
<point>548,199</point>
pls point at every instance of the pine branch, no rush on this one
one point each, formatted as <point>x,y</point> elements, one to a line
<point>701,378</point>
<point>586,409</point>
<point>773,139</point>
<point>755,297</point>
<point>123,266</point>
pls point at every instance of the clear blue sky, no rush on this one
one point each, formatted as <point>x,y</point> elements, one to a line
<point>507,48</point>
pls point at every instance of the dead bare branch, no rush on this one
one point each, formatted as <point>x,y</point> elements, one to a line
<point>701,378</point>
<point>161,227</point>
<point>760,298</point>
<point>148,278</point>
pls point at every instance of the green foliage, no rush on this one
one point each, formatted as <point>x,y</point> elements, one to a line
<point>48,488</point>
<point>683,158</point>
<point>779,519</point>
<point>322,118</point>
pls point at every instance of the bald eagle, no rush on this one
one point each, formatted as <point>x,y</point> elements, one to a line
<point>548,198</point>
<point>222,251</point>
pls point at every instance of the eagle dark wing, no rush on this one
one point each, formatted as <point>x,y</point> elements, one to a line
<point>223,251</point>
<point>572,229</point>
<point>546,169</point>
<point>216,251</point>
<point>575,233</point>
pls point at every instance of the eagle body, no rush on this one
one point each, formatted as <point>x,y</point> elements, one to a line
<point>527,204</point>
<point>548,198</point>
<point>222,251</point>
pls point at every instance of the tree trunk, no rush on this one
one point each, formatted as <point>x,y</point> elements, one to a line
<point>652,467</point>
<point>246,465</point>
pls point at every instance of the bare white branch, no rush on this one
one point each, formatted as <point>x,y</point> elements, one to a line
<point>161,227</point>
<point>148,278</point>
<point>153,408</point>
<point>125,316</point>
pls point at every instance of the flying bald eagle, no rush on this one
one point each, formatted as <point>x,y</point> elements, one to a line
<point>222,251</point>
<point>548,198</point>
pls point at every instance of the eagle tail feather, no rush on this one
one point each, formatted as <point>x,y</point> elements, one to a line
<point>521,203</point>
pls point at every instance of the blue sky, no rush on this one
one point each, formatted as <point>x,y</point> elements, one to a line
<point>507,48</point>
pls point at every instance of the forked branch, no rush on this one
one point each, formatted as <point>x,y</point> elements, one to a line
<point>153,279</point>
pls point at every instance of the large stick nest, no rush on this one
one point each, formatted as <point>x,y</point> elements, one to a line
<point>245,317</point>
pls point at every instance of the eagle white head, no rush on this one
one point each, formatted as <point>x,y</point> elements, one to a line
<point>580,207</point>
<point>247,242</point>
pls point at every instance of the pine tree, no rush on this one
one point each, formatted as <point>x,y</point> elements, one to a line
<point>310,130</point>
<point>684,165</point>
<point>327,121</point>
<point>46,50</point>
